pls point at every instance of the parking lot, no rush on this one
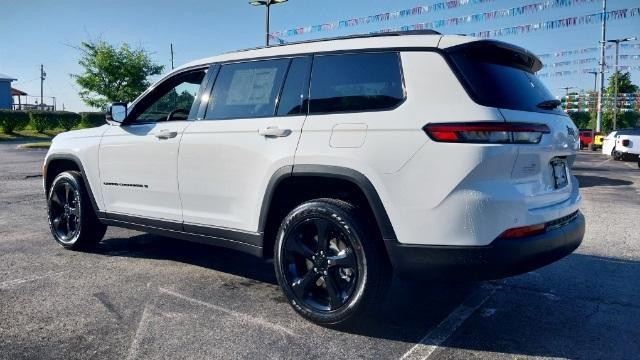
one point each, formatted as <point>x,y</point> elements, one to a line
<point>142,296</point>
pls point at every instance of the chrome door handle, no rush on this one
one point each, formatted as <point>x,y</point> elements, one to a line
<point>166,134</point>
<point>274,131</point>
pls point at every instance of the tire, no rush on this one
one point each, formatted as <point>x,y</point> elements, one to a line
<point>617,155</point>
<point>72,220</point>
<point>337,287</point>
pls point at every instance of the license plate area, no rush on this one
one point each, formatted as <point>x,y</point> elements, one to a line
<point>560,176</point>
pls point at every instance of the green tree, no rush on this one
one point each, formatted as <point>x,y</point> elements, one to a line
<point>113,74</point>
<point>581,119</point>
<point>624,83</point>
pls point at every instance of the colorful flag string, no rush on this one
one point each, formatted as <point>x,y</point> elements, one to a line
<point>445,5</point>
<point>581,51</point>
<point>534,27</point>
<point>387,16</point>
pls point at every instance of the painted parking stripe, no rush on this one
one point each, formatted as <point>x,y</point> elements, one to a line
<point>434,339</point>
<point>249,318</point>
<point>11,283</point>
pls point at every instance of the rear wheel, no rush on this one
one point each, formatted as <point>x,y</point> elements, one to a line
<point>72,221</point>
<point>330,263</point>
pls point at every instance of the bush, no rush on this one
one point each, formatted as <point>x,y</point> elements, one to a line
<point>92,119</point>
<point>43,120</point>
<point>11,121</point>
<point>68,120</point>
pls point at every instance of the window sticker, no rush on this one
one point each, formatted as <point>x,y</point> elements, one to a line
<point>251,86</point>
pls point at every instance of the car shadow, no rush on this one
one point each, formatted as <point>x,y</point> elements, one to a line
<point>591,181</point>
<point>529,312</point>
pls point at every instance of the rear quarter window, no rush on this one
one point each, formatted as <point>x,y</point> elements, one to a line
<point>356,82</point>
<point>501,78</point>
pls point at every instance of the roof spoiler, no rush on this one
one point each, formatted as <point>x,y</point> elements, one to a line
<point>500,52</point>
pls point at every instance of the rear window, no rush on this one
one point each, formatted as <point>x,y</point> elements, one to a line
<point>501,78</point>
<point>356,82</point>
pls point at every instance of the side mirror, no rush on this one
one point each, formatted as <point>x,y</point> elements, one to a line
<point>116,112</point>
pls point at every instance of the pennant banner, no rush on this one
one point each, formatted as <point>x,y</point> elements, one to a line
<point>444,5</point>
<point>528,28</point>
<point>591,60</point>
<point>583,71</point>
<point>585,51</point>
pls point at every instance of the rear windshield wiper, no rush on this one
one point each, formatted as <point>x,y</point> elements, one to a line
<point>549,104</point>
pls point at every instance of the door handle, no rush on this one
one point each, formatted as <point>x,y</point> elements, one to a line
<point>166,134</point>
<point>274,131</point>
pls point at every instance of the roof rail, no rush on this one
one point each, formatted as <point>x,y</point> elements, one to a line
<point>346,37</point>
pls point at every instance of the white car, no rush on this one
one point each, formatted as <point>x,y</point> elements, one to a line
<point>345,160</point>
<point>622,143</point>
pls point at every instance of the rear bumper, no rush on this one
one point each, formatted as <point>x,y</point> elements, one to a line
<point>501,258</point>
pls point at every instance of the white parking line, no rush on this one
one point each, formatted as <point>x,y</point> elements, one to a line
<point>245,317</point>
<point>10,283</point>
<point>142,328</point>
<point>432,341</point>
<point>603,162</point>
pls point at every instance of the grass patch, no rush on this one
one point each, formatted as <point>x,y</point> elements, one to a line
<point>35,145</point>
<point>29,134</point>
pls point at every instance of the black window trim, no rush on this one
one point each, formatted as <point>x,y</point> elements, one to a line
<point>444,53</point>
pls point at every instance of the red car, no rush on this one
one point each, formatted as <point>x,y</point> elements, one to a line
<point>586,137</point>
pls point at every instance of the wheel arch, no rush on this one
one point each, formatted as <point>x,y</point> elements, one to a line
<point>58,163</point>
<point>324,176</point>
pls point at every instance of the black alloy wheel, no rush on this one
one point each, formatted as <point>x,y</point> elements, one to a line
<point>64,211</point>
<point>72,220</point>
<point>330,262</point>
<point>320,264</point>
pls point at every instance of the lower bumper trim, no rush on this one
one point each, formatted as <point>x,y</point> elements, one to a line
<point>501,258</point>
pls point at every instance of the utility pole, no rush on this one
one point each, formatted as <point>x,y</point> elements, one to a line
<point>171,56</point>
<point>602,44</point>
<point>43,75</point>
<point>615,74</point>
<point>595,87</point>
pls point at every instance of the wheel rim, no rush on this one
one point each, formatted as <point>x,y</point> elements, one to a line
<point>320,265</point>
<point>64,211</point>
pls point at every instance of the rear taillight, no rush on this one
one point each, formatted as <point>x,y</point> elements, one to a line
<point>487,132</point>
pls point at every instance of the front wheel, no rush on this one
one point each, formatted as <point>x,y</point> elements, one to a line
<point>72,221</point>
<point>330,263</point>
<point>617,155</point>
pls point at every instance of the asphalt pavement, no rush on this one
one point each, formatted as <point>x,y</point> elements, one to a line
<point>140,296</point>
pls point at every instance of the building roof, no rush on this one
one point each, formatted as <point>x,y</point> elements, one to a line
<point>7,77</point>
<point>16,92</point>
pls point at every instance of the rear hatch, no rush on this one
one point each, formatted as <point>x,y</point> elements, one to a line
<point>501,75</point>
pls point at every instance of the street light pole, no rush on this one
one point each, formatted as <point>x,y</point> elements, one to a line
<point>268,4</point>
<point>616,74</point>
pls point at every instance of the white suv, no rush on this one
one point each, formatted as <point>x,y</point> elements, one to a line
<point>622,143</point>
<point>345,160</point>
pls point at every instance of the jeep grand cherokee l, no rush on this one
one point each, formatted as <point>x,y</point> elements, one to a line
<point>344,160</point>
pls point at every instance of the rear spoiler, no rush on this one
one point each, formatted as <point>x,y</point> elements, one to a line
<point>500,53</point>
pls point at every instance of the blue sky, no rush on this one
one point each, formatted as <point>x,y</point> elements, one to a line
<point>44,32</point>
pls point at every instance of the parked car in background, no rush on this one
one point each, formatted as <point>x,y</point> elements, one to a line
<point>622,144</point>
<point>586,137</point>
<point>597,141</point>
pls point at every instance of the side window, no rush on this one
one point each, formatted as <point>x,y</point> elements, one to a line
<point>175,96</point>
<point>356,82</point>
<point>247,90</point>
<point>295,88</point>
